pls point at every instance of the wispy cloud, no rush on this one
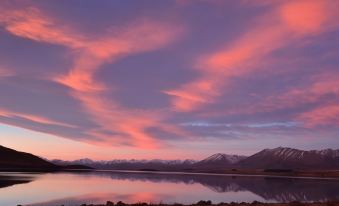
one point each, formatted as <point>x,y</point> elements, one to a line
<point>228,125</point>
<point>321,116</point>
<point>91,53</point>
<point>158,75</point>
<point>284,24</point>
<point>30,23</point>
<point>33,118</point>
<point>321,92</point>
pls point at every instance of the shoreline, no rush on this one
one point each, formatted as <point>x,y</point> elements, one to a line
<point>322,175</point>
<point>209,203</point>
<point>319,174</point>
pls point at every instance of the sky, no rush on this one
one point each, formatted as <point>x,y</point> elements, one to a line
<point>180,79</point>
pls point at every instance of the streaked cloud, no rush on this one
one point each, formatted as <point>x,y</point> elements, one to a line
<point>91,54</point>
<point>31,24</point>
<point>324,115</point>
<point>164,76</point>
<point>33,118</point>
<point>277,28</point>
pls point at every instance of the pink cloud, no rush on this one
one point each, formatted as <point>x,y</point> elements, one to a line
<point>286,23</point>
<point>322,90</point>
<point>33,118</point>
<point>315,90</point>
<point>321,116</point>
<point>186,99</point>
<point>112,123</point>
<point>110,115</point>
<point>90,54</point>
<point>4,72</point>
<point>30,23</point>
<point>304,17</point>
<point>135,38</point>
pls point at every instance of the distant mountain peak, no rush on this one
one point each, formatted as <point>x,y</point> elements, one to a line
<point>219,161</point>
<point>285,157</point>
<point>224,157</point>
<point>288,152</point>
<point>327,152</point>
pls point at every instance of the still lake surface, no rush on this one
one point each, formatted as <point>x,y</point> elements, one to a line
<point>50,189</point>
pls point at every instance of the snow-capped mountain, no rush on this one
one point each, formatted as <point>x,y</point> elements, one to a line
<point>132,164</point>
<point>278,158</point>
<point>289,158</point>
<point>85,161</point>
<point>219,161</point>
<point>224,157</point>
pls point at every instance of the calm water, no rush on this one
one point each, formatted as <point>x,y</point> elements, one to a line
<point>98,187</point>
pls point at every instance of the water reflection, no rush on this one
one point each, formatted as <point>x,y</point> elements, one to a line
<point>100,198</point>
<point>98,187</point>
<point>269,188</point>
<point>12,179</point>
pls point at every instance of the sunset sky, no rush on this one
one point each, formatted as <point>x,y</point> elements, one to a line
<point>169,79</point>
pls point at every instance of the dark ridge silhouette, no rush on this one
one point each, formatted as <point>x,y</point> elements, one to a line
<point>12,160</point>
<point>76,167</point>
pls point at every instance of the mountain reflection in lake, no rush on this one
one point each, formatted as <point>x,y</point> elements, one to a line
<point>12,179</point>
<point>98,187</point>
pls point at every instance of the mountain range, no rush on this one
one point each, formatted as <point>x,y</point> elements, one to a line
<point>281,158</point>
<point>288,158</point>
<point>278,158</point>
<point>155,164</point>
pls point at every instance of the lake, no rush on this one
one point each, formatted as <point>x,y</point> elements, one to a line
<point>99,186</point>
